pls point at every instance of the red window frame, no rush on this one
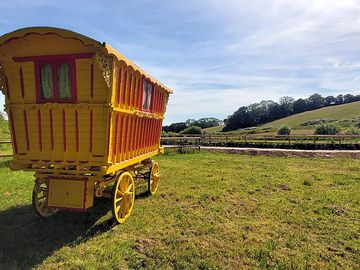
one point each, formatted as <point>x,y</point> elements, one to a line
<point>55,60</point>
<point>147,109</point>
<point>54,64</point>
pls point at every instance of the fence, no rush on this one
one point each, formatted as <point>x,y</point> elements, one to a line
<point>351,142</point>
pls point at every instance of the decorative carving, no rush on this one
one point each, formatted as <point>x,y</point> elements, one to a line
<point>105,63</point>
<point>2,79</point>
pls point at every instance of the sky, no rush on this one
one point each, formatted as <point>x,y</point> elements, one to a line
<point>217,55</point>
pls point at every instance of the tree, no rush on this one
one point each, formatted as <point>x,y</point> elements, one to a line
<point>286,104</point>
<point>329,100</point>
<point>300,105</point>
<point>316,101</point>
<point>192,130</point>
<point>339,99</point>
<point>284,130</point>
<point>349,98</point>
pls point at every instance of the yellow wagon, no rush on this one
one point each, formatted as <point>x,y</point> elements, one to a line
<point>82,117</point>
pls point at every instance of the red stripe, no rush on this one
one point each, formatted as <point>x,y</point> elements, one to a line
<point>91,130</point>
<point>115,135</point>
<point>121,147</point>
<point>118,87</point>
<point>141,93</point>
<point>127,136</point>
<point>124,91</point>
<point>162,103</point>
<point>92,81</point>
<point>121,122</point>
<point>51,130</point>
<point>138,136</point>
<point>132,93</point>
<point>77,129</point>
<point>7,87</point>
<point>39,128</point>
<point>53,57</point>
<point>108,137</point>
<point>26,131</point>
<point>21,82</point>
<point>13,132</point>
<point>64,130</point>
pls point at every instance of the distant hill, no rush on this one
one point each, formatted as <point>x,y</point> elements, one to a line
<point>345,116</point>
<point>338,112</point>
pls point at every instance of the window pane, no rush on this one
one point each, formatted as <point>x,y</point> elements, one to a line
<point>64,84</point>
<point>47,89</point>
<point>144,98</point>
<point>149,95</point>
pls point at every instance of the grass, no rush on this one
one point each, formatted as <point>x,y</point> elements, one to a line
<point>215,129</point>
<point>212,211</point>
<point>344,116</point>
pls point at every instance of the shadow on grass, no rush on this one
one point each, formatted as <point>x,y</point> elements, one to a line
<point>27,239</point>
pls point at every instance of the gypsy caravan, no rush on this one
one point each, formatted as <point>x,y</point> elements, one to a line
<point>82,117</point>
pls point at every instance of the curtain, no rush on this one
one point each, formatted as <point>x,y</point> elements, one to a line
<point>47,89</point>
<point>64,85</point>
<point>144,98</point>
<point>149,94</point>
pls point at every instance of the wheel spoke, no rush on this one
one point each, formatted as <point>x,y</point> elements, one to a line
<point>118,199</point>
<point>128,189</point>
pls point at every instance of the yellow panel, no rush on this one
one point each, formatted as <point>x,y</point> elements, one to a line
<point>74,194</point>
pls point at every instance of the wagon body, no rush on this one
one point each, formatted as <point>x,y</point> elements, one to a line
<point>77,107</point>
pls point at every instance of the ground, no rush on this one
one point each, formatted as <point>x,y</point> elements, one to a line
<point>212,211</point>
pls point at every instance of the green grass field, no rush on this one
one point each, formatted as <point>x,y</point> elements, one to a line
<point>212,211</point>
<point>340,114</point>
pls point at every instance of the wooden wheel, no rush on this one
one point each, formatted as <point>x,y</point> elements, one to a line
<point>39,200</point>
<point>123,197</point>
<point>154,178</point>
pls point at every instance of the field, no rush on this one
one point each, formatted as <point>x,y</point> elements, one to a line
<point>212,211</point>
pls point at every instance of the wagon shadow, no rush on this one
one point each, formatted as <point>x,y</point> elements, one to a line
<point>26,239</point>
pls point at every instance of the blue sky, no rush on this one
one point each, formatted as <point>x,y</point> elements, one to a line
<point>218,55</point>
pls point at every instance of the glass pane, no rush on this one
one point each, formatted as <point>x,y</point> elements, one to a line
<point>63,78</point>
<point>47,88</point>
<point>144,98</point>
<point>149,95</point>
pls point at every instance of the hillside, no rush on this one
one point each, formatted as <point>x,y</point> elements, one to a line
<point>344,116</point>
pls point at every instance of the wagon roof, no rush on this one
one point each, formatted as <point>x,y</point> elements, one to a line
<point>87,41</point>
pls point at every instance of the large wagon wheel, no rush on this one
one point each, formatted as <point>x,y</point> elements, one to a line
<point>39,200</point>
<point>123,197</point>
<point>154,178</point>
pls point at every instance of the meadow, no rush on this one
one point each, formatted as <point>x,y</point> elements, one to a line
<point>212,211</point>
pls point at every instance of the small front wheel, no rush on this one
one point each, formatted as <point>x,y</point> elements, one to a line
<point>123,197</point>
<point>154,178</point>
<point>39,200</point>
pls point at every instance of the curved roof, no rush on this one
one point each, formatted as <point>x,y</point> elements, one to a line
<point>87,41</point>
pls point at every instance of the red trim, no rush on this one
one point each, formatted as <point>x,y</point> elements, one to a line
<point>131,142</point>
<point>47,33</point>
<point>77,129</point>
<point>26,131</point>
<point>91,131</point>
<point>21,82</point>
<point>115,136</point>
<point>118,87</point>
<point>126,136</point>
<point>59,57</point>
<point>108,137</point>
<point>120,136</point>
<point>140,94</point>
<point>123,97</point>
<point>7,87</point>
<point>51,130</point>
<point>39,128</point>
<point>13,131</point>
<point>64,129</point>
<point>132,93</point>
<point>92,81</point>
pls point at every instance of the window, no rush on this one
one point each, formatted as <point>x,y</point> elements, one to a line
<point>147,95</point>
<point>56,81</point>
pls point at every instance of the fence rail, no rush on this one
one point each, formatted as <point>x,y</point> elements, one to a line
<point>288,141</point>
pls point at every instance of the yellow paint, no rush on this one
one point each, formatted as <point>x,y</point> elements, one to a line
<point>60,138</point>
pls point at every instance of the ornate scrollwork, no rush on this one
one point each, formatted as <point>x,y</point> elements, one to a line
<point>2,78</point>
<point>105,63</point>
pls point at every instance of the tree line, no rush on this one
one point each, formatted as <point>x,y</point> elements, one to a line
<point>268,110</point>
<point>202,123</point>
